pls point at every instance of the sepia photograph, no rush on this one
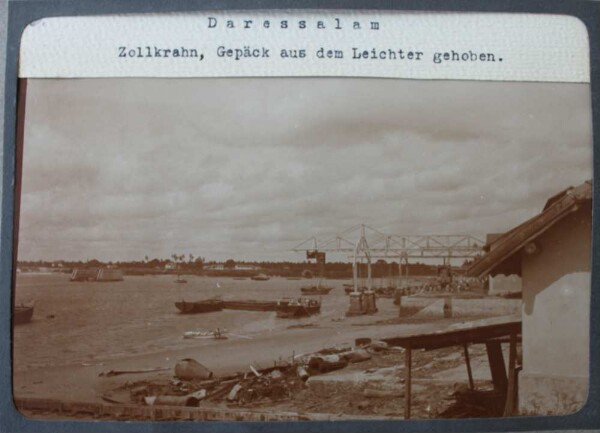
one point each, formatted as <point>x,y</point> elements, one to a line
<point>302,248</point>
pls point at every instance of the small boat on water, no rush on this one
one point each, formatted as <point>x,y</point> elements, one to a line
<point>316,290</point>
<point>260,277</point>
<point>180,279</point>
<point>217,334</point>
<point>22,314</point>
<point>205,306</point>
<point>290,308</point>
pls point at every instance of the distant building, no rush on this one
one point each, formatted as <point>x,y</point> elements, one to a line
<point>504,284</point>
<point>237,267</point>
<point>551,252</point>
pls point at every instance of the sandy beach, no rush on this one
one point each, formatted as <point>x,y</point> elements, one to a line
<point>62,352</point>
<point>83,383</point>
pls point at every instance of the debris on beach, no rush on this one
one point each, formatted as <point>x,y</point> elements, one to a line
<point>194,383</point>
<point>357,355</point>
<point>365,378</point>
<point>326,363</point>
<point>190,369</point>
<point>190,400</point>
<point>378,346</point>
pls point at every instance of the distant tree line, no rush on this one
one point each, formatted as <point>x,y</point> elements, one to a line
<point>182,263</point>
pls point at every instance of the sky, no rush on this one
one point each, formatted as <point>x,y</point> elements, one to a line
<point>246,168</point>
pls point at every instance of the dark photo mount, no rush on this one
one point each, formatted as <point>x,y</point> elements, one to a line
<point>517,251</point>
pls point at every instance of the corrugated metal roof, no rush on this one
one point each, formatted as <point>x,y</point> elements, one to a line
<point>556,208</point>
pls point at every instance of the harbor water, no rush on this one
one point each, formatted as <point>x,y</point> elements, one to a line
<point>78,323</point>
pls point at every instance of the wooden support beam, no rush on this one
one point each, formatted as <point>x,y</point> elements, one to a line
<point>509,408</point>
<point>407,380</point>
<point>468,362</point>
<point>497,366</point>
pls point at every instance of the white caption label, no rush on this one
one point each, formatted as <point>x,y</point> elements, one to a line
<point>422,45</point>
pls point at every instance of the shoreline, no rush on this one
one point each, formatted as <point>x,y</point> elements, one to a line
<point>83,383</point>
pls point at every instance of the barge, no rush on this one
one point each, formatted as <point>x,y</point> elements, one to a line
<point>206,306</point>
<point>316,290</point>
<point>296,308</point>
<point>250,305</point>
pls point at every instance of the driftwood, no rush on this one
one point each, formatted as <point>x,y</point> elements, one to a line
<point>120,372</point>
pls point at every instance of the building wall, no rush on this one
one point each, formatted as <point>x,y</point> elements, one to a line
<point>556,318</point>
<point>501,284</point>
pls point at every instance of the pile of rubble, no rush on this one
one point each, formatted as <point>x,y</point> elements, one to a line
<point>194,383</point>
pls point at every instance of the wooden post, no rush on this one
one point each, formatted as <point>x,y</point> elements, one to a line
<point>497,367</point>
<point>407,380</point>
<point>469,372</point>
<point>509,408</point>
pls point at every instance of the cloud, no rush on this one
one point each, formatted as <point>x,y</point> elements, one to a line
<point>247,168</point>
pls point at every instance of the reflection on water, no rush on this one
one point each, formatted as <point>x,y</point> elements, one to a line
<point>97,321</point>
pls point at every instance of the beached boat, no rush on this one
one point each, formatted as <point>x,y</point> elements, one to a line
<point>260,277</point>
<point>205,306</point>
<point>294,308</point>
<point>22,314</point>
<point>217,334</point>
<point>316,290</point>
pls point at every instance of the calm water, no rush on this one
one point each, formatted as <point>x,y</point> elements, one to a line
<point>98,321</point>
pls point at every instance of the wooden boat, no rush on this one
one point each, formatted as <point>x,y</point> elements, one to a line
<point>316,290</point>
<point>205,306</point>
<point>295,308</point>
<point>22,314</point>
<point>250,305</point>
<point>217,334</point>
<point>260,277</point>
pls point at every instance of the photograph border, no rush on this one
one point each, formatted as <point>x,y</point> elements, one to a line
<point>21,13</point>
